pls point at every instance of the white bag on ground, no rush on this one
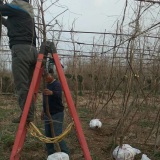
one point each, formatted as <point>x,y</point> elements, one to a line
<point>58,156</point>
<point>144,157</point>
<point>125,153</point>
<point>95,123</point>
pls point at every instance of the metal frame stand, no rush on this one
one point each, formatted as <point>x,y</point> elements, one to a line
<point>47,47</point>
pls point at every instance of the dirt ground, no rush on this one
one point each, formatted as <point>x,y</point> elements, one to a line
<point>100,141</point>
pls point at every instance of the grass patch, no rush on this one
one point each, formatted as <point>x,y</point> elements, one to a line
<point>80,93</point>
<point>12,128</point>
<point>85,110</point>
<point>94,157</point>
<point>34,145</point>
<point>7,139</point>
<point>3,113</point>
<point>88,121</point>
<point>106,124</point>
<point>3,104</point>
<point>145,124</point>
<point>40,125</point>
<point>112,145</point>
<point>157,155</point>
<point>82,116</point>
<point>142,107</point>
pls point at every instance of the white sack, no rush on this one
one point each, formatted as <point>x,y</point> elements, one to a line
<point>125,153</point>
<point>58,156</point>
<point>144,157</point>
<point>95,123</point>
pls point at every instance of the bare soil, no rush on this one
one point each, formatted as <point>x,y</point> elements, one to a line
<point>100,141</point>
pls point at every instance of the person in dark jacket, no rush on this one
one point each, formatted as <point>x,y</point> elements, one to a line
<point>22,42</point>
<point>56,108</point>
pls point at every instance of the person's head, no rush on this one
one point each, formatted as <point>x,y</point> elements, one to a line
<point>50,76</point>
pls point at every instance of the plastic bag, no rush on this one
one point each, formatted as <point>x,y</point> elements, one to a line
<point>95,123</point>
<point>58,156</point>
<point>125,153</point>
<point>144,157</point>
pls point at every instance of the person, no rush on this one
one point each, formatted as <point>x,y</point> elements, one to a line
<point>22,42</point>
<point>54,92</point>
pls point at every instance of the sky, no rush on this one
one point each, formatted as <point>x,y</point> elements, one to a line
<point>93,16</point>
<point>90,15</point>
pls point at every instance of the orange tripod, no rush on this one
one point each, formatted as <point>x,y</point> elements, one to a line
<point>47,47</point>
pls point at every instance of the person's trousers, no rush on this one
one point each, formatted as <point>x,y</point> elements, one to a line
<point>24,58</point>
<point>58,131</point>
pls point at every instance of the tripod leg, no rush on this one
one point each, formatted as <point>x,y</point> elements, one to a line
<point>17,156</point>
<point>21,133</point>
<point>72,108</point>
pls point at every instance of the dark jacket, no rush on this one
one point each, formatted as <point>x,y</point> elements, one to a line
<point>20,24</point>
<point>55,100</point>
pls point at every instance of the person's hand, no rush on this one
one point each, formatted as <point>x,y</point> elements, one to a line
<point>47,92</point>
<point>42,115</point>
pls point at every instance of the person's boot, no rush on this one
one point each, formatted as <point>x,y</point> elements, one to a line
<point>30,119</point>
<point>17,120</point>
